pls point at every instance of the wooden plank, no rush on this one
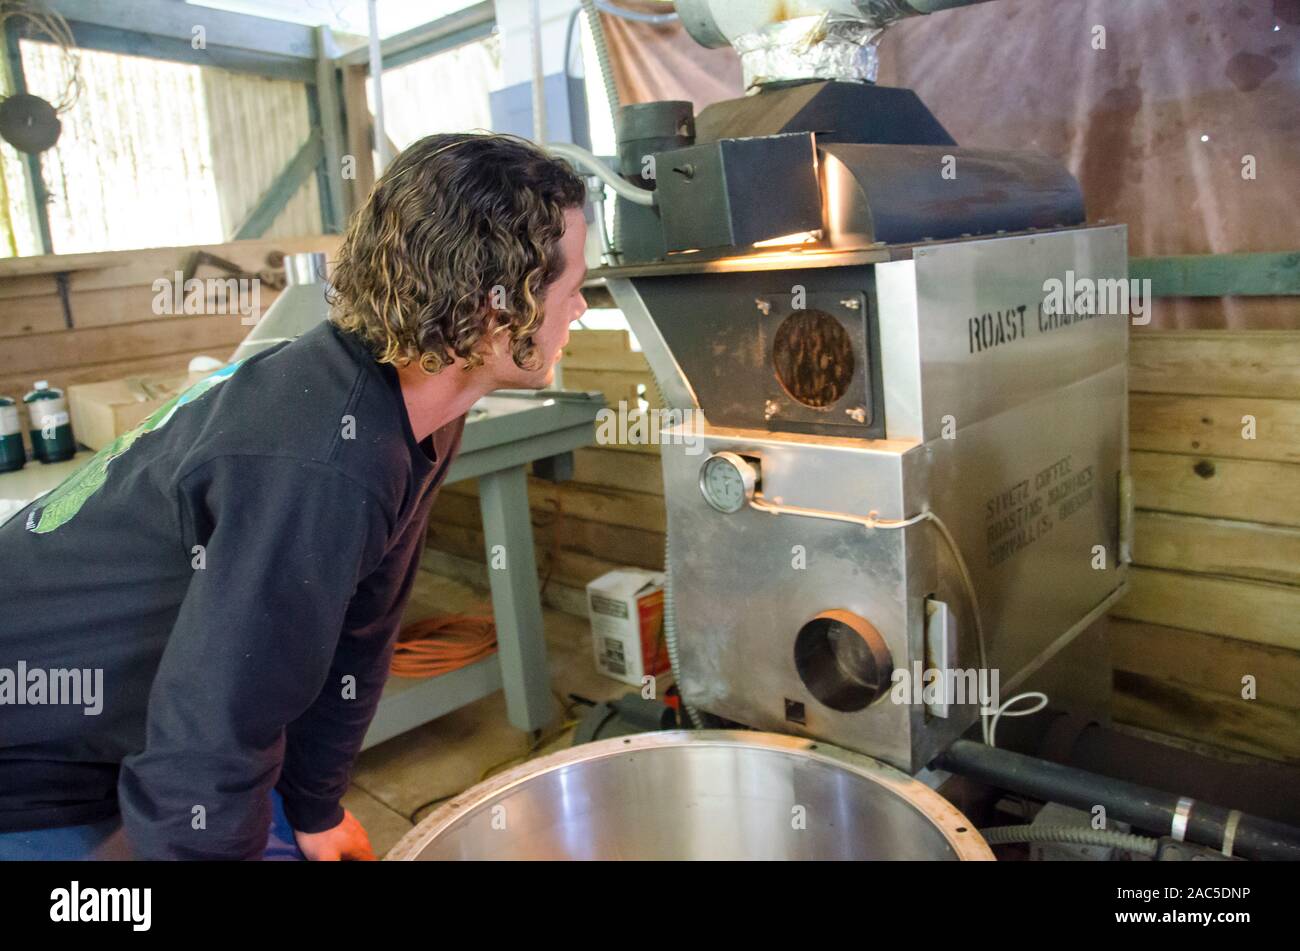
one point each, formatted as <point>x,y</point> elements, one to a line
<point>1242,489</point>
<point>331,122</point>
<point>617,387</point>
<point>216,56</point>
<point>1255,611</point>
<point>97,308</point>
<point>1247,726</point>
<point>1217,546</point>
<point>1206,662</point>
<point>646,449</point>
<point>597,342</point>
<point>1216,425</point>
<point>603,350</point>
<point>162,365</point>
<point>99,269</point>
<point>1246,274</point>
<point>617,543</point>
<point>1216,362</point>
<point>360,133</point>
<point>619,470</point>
<point>613,507</point>
<point>629,361</point>
<point>128,305</point>
<point>72,348</point>
<point>28,285</point>
<point>29,289</point>
<point>164,19</point>
<point>27,315</point>
<point>253,256</point>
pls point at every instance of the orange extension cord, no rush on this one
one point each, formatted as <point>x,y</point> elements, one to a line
<point>439,645</point>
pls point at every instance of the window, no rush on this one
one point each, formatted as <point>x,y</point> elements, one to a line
<point>446,92</point>
<point>157,154</point>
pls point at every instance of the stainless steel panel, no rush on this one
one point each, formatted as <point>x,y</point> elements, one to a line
<point>1028,528</point>
<point>900,349</point>
<point>959,281</point>
<point>1018,443</point>
<point>745,584</point>
<point>673,385</point>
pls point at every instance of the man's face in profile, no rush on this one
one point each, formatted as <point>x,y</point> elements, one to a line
<point>562,304</point>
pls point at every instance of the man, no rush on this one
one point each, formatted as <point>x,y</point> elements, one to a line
<point>225,582</point>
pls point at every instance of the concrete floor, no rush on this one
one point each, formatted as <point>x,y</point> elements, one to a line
<point>398,783</point>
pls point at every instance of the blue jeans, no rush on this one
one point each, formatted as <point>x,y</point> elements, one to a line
<point>103,841</point>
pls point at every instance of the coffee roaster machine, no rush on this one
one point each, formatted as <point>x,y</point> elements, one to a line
<point>911,461</point>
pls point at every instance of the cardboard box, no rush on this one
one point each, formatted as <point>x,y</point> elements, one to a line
<point>103,411</point>
<point>626,607</point>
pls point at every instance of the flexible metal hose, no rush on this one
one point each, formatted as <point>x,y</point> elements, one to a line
<point>670,606</point>
<point>602,54</point>
<point>670,629</point>
<point>586,160</point>
<point>1071,835</point>
<point>611,95</point>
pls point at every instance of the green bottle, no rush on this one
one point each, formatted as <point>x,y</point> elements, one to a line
<point>12,455</point>
<point>51,430</point>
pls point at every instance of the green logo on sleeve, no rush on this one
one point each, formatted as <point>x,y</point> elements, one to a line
<point>64,502</point>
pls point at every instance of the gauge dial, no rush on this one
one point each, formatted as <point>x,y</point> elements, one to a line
<point>728,481</point>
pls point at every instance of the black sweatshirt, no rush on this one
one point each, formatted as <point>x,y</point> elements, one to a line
<point>233,572</point>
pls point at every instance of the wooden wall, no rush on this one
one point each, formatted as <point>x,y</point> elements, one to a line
<point>1216,581</point>
<point>1216,584</point>
<point>81,318</point>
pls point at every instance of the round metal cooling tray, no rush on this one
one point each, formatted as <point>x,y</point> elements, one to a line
<point>709,794</point>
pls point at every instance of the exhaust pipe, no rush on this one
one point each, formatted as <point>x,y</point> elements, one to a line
<point>791,40</point>
<point>715,23</point>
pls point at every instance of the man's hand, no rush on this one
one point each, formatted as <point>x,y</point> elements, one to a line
<point>347,841</point>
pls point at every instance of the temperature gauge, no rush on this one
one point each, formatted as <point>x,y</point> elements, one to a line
<point>728,481</point>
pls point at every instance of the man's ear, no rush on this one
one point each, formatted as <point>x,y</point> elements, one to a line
<point>497,320</point>
<point>495,343</point>
<point>499,331</point>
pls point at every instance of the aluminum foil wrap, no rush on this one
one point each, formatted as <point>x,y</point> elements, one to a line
<point>884,12</point>
<point>824,46</point>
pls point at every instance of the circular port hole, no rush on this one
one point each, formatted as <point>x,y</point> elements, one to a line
<point>843,661</point>
<point>813,358</point>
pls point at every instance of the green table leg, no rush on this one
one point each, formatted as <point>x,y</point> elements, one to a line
<point>516,600</point>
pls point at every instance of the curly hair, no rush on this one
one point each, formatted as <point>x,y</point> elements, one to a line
<point>459,236</point>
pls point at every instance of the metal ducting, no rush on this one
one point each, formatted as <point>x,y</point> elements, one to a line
<point>790,40</point>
